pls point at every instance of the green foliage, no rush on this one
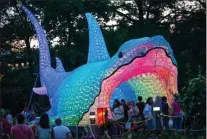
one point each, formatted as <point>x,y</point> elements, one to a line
<point>165,135</point>
<point>71,57</point>
<point>193,100</point>
<point>15,87</point>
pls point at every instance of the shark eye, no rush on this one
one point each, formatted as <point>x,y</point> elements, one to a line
<point>120,54</point>
<point>142,53</point>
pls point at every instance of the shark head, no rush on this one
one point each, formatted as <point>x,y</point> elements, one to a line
<point>145,66</point>
<point>141,67</point>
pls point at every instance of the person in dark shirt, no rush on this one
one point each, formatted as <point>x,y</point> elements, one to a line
<point>165,111</point>
<point>140,106</point>
<point>123,103</point>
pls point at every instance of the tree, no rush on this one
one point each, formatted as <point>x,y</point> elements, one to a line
<point>15,87</point>
<point>193,100</point>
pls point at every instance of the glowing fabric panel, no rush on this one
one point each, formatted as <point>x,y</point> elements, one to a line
<point>82,87</point>
<point>123,91</point>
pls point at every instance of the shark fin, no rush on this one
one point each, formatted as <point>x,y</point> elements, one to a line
<point>97,46</point>
<point>59,65</point>
<point>44,57</point>
<point>40,90</point>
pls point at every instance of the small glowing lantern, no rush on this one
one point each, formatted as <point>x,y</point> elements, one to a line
<point>101,115</point>
<point>92,117</point>
<point>156,108</point>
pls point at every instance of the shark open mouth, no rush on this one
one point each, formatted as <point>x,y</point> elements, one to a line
<point>151,75</point>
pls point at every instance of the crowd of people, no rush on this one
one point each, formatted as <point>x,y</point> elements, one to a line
<point>122,111</point>
<point>40,130</point>
<point>129,113</point>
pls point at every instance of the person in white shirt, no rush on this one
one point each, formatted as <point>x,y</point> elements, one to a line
<point>61,131</point>
<point>117,111</point>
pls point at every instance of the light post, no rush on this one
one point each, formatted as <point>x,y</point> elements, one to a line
<point>157,120</point>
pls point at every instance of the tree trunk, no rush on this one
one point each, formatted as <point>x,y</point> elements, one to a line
<point>27,42</point>
<point>69,30</point>
<point>148,11</point>
<point>139,4</point>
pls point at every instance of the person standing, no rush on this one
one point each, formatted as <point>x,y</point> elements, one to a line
<point>124,105</point>
<point>21,130</point>
<point>61,131</point>
<point>118,115</point>
<point>140,106</point>
<point>133,111</point>
<point>118,111</point>
<point>6,127</point>
<point>44,130</point>
<point>156,113</point>
<point>176,112</point>
<point>32,118</point>
<point>148,113</point>
<point>165,111</point>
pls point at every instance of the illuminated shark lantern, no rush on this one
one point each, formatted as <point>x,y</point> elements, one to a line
<point>144,67</point>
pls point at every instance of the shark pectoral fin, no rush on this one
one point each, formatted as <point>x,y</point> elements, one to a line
<point>97,46</point>
<point>40,90</point>
<point>59,65</point>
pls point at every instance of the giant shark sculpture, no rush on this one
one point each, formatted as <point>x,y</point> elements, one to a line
<point>144,66</point>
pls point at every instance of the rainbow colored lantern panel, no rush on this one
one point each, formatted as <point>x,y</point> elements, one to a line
<point>144,66</point>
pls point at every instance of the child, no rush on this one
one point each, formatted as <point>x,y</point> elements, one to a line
<point>133,111</point>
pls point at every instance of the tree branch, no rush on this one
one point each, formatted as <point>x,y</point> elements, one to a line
<point>139,4</point>
<point>148,11</point>
<point>111,25</point>
<point>11,20</point>
<point>127,17</point>
<point>203,4</point>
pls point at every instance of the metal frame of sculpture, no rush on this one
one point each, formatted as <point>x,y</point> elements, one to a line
<point>144,66</point>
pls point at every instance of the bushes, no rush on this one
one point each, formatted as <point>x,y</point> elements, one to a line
<point>165,135</point>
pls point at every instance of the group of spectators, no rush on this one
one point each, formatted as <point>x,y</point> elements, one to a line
<point>169,115</point>
<point>127,113</point>
<point>40,130</point>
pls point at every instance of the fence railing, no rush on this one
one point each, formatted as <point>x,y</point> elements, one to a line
<point>118,131</point>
